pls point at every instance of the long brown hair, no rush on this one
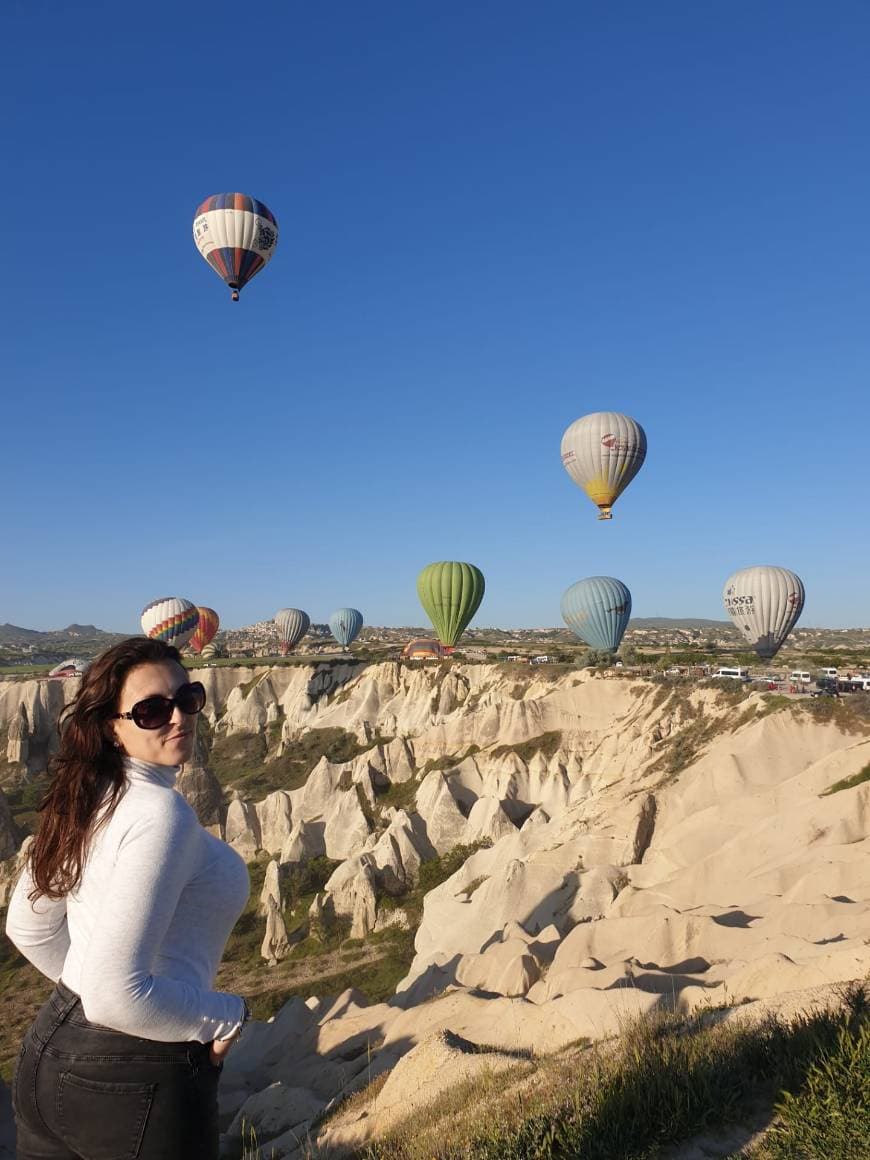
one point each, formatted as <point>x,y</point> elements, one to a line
<point>87,764</point>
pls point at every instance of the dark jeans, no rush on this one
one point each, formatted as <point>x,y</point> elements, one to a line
<point>84,1092</point>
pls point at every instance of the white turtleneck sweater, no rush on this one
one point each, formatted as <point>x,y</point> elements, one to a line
<point>141,937</point>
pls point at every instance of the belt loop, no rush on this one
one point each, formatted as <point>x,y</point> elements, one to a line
<point>66,1004</point>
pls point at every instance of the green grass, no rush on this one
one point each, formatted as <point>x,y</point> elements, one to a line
<point>23,800</point>
<point>848,782</point>
<point>377,979</point>
<point>830,1115</point>
<point>242,760</point>
<point>438,870</point>
<point>401,795</point>
<point>449,760</point>
<point>667,1079</point>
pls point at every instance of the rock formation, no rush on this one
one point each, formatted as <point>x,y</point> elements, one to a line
<point>18,739</point>
<point>200,786</point>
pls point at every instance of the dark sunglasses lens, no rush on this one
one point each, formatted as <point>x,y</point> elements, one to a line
<point>191,698</point>
<point>152,712</point>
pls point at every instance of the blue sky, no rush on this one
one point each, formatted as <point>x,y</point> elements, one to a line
<point>495,217</point>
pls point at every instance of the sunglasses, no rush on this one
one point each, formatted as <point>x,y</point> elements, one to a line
<point>156,711</point>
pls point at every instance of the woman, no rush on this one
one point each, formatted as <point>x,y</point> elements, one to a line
<point>129,899</point>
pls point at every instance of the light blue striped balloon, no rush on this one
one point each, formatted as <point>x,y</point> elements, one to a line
<point>345,625</point>
<point>597,609</point>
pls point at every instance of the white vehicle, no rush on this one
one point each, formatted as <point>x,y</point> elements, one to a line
<point>830,672</point>
<point>800,678</point>
<point>862,683</point>
<point>734,674</point>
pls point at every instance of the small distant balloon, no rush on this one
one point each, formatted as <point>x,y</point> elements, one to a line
<point>171,619</point>
<point>764,603</point>
<point>236,235</point>
<point>598,610</point>
<point>345,625</point>
<point>450,592</point>
<point>209,622</point>
<point>603,452</point>
<point>292,624</point>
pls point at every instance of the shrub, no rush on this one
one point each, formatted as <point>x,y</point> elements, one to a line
<point>848,782</point>
<point>438,870</point>
<point>546,743</point>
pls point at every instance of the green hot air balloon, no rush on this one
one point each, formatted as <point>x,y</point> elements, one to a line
<point>451,592</point>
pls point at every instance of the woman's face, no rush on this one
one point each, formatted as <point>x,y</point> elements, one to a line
<point>170,744</point>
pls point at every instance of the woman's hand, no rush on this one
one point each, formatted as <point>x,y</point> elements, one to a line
<point>218,1049</point>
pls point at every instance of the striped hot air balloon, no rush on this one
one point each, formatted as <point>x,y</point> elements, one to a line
<point>292,624</point>
<point>236,235</point>
<point>597,610</point>
<point>602,453</point>
<point>209,622</point>
<point>171,619</point>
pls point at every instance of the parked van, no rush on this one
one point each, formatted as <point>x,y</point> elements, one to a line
<point>801,678</point>
<point>734,674</point>
<point>830,672</point>
<point>862,684</point>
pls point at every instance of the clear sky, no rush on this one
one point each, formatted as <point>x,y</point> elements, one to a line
<point>495,217</point>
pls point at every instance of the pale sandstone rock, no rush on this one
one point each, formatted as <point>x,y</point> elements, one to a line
<point>346,827</point>
<point>418,1079</point>
<point>487,820</point>
<point>274,815</point>
<point>242,827</point>
<point>275,945</point>
<point>445,822</point>
<point>273,1111</point>
<point>365,904</point>
<point>18,738</point>
<point>518,976</point>
<point>271,887</point>
<point>304,842</point>
<point>199,786</point>
<point>398,758</point>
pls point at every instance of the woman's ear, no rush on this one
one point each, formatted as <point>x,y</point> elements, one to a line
<point>111,735</point>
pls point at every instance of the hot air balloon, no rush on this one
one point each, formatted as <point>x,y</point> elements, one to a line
<point>450,592</point>
<point>292,624</point>
<point>764,603</point>
<point>209,622</point>
<point>602,453</point>
<point>236,235</point>
<point>171,619</point>
<point>597,610</point>
<point>209,651</point>
<point>345,625</point>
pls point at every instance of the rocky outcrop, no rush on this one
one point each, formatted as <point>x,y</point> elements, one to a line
<point>18,738</point>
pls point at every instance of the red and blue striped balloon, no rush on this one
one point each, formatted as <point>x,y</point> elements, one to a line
<point>236,235</point>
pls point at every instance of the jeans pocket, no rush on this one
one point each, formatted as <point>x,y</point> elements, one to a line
<point>101,1120</point>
